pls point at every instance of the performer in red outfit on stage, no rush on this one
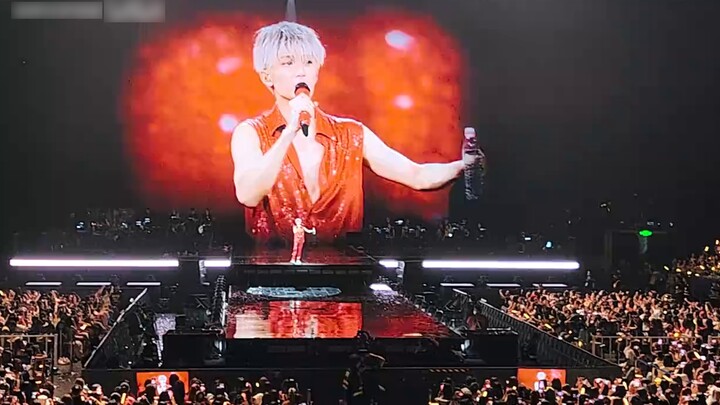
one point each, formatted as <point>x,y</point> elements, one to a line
<point>299,240</point>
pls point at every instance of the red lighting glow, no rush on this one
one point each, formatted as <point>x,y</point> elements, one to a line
<point>296,319</point>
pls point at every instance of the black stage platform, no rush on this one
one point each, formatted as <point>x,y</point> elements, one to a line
<point>308,324</point>
<point>320,255</point>
<point>318,326</point>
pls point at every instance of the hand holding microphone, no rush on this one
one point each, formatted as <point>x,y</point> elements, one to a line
<point>303,109</point>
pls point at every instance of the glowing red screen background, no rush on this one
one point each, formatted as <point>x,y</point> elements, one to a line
<point>329,319</point>
<point>296,319</point>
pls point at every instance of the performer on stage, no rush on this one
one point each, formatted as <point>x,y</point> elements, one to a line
<point>299,231</point>
<point>281,173</point>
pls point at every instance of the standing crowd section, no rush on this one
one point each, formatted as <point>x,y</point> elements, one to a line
<point>44,331</point>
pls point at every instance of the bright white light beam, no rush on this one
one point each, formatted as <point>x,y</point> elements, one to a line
<point>500,264</point>
<point>143,284</point>
<point>457,285</point>
<point>380,287</point>
<point>503,285</point>
<point>93,283</point>
<point>43,283</point>
<point>94,263</point>
<point>217,263</point>
<point>550,285</point>
<point>389,263</point>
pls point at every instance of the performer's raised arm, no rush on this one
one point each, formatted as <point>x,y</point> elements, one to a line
<point>388,163</point>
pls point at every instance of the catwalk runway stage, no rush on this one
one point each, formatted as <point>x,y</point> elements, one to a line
<point>314,313</point>
<point>320,325</point>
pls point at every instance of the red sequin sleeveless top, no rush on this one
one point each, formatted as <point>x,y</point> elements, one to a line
<point>339,209</point>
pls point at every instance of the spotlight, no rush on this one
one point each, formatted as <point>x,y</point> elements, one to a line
<point>380,287</point>
<point>389,263</point>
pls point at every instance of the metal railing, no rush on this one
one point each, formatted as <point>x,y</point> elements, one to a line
<point>48,344</point>
<point>219,303</point>
<point>66,348</point>
<point>611,347</point>
<point>547,349</point>
<point>108,347</point>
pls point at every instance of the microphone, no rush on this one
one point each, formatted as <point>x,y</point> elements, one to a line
<point>302,88</point>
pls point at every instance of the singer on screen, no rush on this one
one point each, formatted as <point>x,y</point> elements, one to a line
<point>297,161</point>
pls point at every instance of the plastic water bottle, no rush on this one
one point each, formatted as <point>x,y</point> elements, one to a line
<point>474,161</point>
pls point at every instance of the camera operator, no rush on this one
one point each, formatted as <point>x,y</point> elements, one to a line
<point>360,381</point>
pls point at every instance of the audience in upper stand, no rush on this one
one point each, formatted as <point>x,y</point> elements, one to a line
<point>573,315</point>
<point>706,263</point>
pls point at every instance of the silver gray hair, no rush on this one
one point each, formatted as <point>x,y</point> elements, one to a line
<point>294,38</point>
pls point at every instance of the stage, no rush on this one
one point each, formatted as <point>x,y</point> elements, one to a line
<point>320,255</point>
<point>383,314</point>
<point>264,313</point>
<point>320,326</point>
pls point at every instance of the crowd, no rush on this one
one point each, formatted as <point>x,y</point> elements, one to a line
<point>30,320</point>
<point>695,383</point>
<point>700,388</point>
<point>706,263</point>
<point>80,320</point>
<point>655,333</point>
<point>575,315</point>
<point>157,391</point>
<point>667,345</point>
